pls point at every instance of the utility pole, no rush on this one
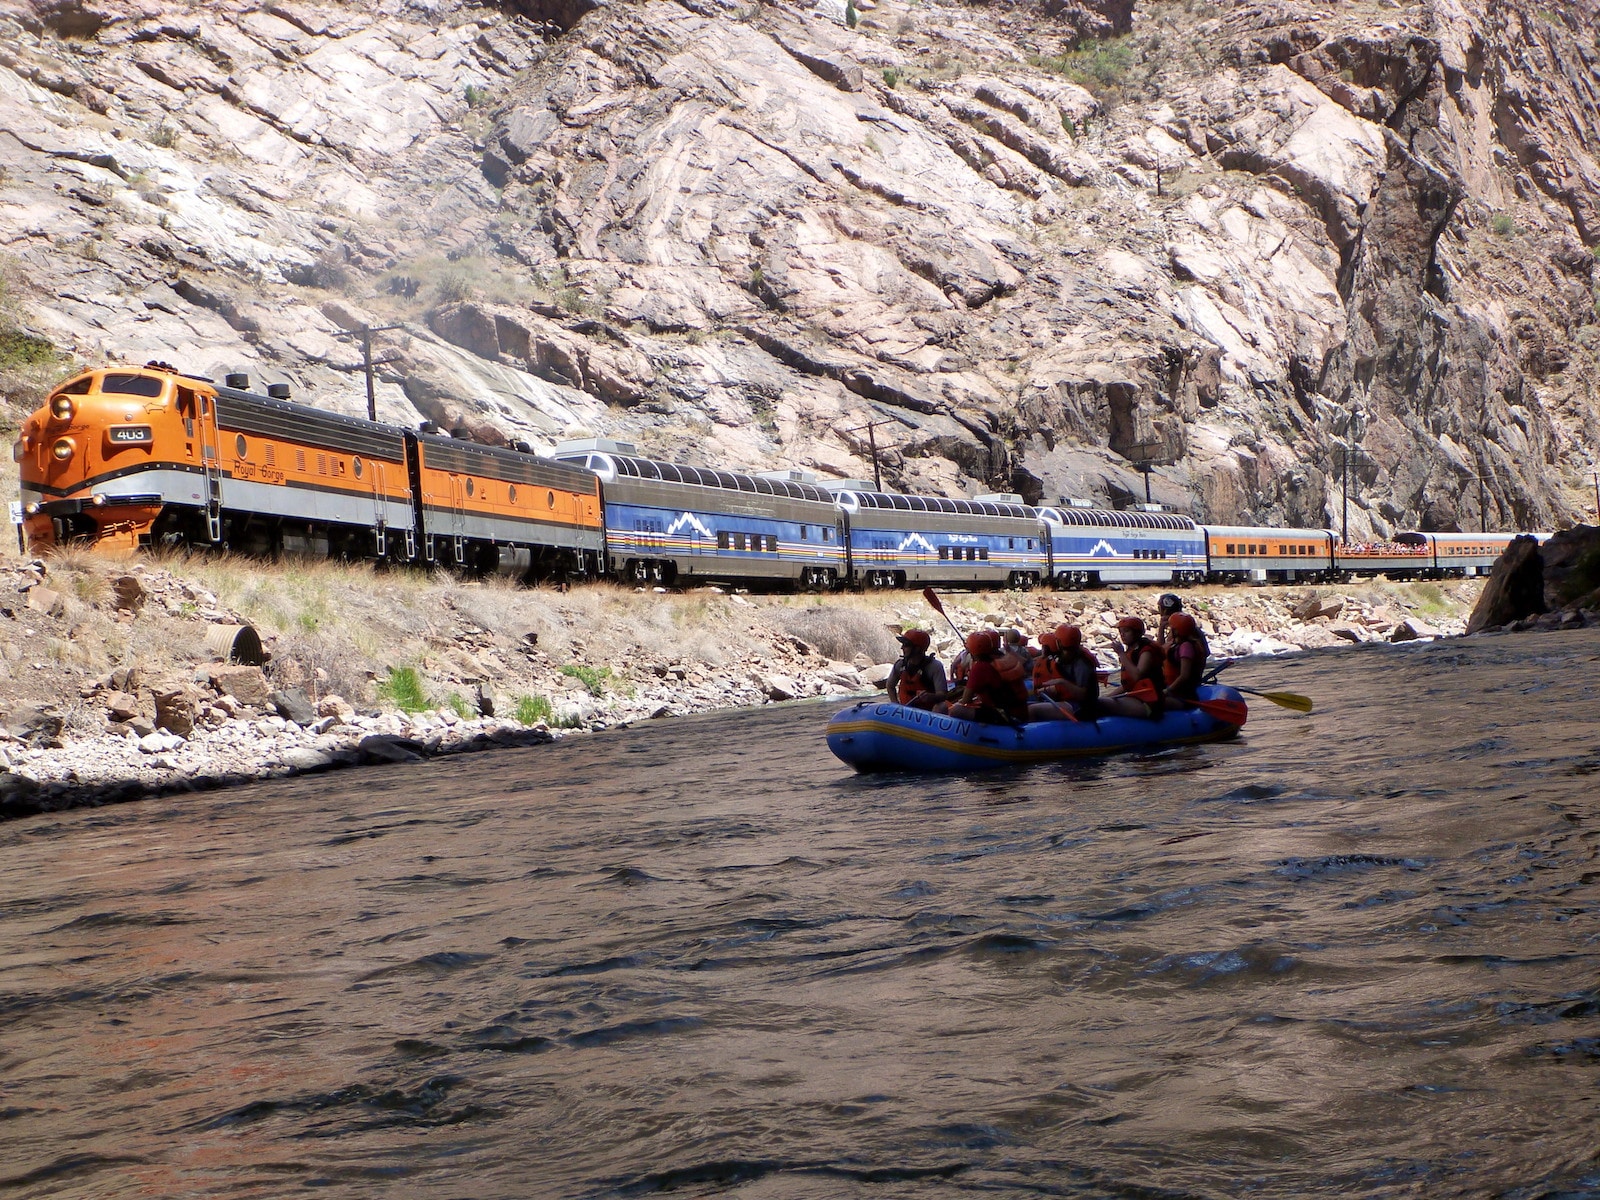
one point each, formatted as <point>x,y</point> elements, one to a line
<point>365,333</point>
<point>1356,415</point>
<point>1141,455</point>
<point>872,446</point>
<point>1595,475</point>
<point>1483,505</point>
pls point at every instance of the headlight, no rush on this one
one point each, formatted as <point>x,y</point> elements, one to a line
<point>61,408</point>
<point>16,450</point>
<point>63,449</point>
<point>99,499</point>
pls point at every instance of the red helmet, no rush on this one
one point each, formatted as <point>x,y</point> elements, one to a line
<point>1131,623</point>
<point>1182,625</point>
<point>1070,637</point>
<point>1047,639</point>
<point>983,643</point>
<point>916,637</point>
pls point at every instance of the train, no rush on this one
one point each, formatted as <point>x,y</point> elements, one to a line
<point>135,457</point>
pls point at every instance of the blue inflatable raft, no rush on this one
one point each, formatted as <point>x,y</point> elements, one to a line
<point>878,735</point>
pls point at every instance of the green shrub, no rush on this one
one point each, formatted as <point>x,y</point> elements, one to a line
<point>891,77</point>
<point>457,703</point>
<point>1100,67</point>
<point>593,678</point>
<point>403,689</point>
<point>851,17</point>
<point>1502,224</point>
<point>531,710</point>
<point>476,96</point>
<point>1583,578</point>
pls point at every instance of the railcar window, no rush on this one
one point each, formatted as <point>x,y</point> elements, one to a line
<point>355,463</point>
<point>772,543</point>
<point>827,534</point>
<point>130,385</point>
<point>944,553</point>
<point>78,387</point>
<point>511,492</point>
<point>805,533</point>
<point>764,486</point>
<point>240,445</point>
<point>470,487</point>
<point>983,553</point>
<point>647,469</point>
<point>1030,543</point>
<point>550,499</point>
<point>723,541</point>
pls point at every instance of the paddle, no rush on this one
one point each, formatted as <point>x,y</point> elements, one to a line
<point>932,597</point>
<point>1231,712</point>
<point>1300,704</point>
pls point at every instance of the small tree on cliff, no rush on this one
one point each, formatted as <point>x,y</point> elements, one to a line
<point>851,16</point>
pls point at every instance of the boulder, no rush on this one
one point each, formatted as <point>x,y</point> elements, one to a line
<point>293,705</point>
<point>1515,589</point>
<point>36,724</point>
<point>247,685</point>
<point>1412,628</point>
<point>1572,565</point>
<point>47,601</point>
<point>174,711</point>
<point>120,706</point>
<point>780,687</point>
<point>380,748</point>
<point>128,592</point>
<point>307,758</point>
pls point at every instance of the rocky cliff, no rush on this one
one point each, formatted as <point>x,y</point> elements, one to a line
<point>1036,246</point>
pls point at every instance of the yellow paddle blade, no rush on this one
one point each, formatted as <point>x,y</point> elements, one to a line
<point>1286,700</point>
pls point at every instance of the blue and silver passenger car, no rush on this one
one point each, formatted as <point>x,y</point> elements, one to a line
<point>898,540</point>
<point>670,523</point>
<point>1092,546</point>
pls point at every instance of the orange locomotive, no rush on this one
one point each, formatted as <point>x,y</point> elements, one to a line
<point>147,456</point>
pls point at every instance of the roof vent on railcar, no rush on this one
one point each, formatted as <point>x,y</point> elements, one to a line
<point>792,475</point>
<point>522,447</point>
<point>278,391</point>
<point>999,497</point>
<point>238,380</point>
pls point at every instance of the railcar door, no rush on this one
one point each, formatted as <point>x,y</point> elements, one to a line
<point>205,416</point>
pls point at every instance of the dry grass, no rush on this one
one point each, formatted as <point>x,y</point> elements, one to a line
<point>840,633</point>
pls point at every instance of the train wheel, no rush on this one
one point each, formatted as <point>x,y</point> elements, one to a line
<point>660,572</point>
<point>637,570</point>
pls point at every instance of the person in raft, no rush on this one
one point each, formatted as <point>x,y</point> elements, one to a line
<point>1067,674</point>
<point>995,693</point>
<point>1166,604</point>
<point>1141,663</point>
<point>917,678</point>
<point>1183,664</point>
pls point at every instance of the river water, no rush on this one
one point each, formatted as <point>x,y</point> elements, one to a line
<point>1351,954</point>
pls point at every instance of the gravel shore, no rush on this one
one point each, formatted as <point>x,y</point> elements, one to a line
<point>114,682</point>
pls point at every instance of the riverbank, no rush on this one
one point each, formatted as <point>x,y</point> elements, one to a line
<point>112,683</point>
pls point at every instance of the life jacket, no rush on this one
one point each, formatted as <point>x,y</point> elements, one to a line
<point>1013,667</point>
<point>1130,679</point>
<point>913,682</point>
<point>1045,671</point>
<point>1010,694</point>
<point>1170,668</point>
<point>960,665</point>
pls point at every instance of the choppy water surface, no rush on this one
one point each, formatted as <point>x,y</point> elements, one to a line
<point>1349,955</point>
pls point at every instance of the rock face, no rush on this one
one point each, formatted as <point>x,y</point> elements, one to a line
<point>1515,589</point>
<point>1272,238</point>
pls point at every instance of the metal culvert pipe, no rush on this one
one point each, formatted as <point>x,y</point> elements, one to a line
<point>236,644</point>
